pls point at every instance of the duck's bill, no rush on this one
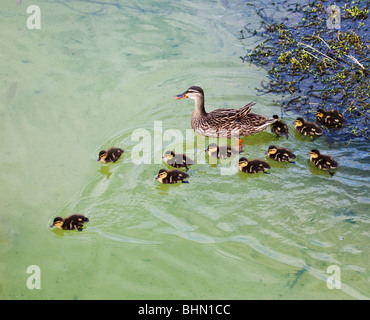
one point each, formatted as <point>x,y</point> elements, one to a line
<point>51,226</point>
<point>181,96</point>
<point>156,178</point>
<point>98,159</point>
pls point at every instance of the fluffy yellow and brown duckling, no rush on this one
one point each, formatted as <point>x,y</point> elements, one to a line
<point>112,155</point>
<point>177,160</point>
<point>171,176</point>
<point>223,152</point>
<point>253,166</point>
<point>307,128</point>
<point>330,117</point>
<point>280,154</point>
<point>279,127</point>
<point>323,161</point>
<point>223,122</point>
<point>75,221</point>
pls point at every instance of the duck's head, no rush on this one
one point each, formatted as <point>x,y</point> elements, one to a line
<point>161,174</point>
<point>314,153</point>
<point>102,155</point>
<point>212,147</point>
<point>194,92</point>
<point>271,150</point>
<point>243,162</point>
<point>169,155</point>
<point>275,116</point>
<point>320,114</point>
<point>299,122</point>
<point>58,222</point>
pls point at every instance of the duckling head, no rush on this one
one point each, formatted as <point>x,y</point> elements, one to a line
<point>275,116</point>
<point>58,222</point>
<point>169,155</point>
<point>299,122</point>
<point>212,147</point>
<point>194,92</point>
<point>320,114</point>
<point>271,150</point>
<point>161,174</point>
<point>102,155</point>
<point>314,153</point>
<point>243,162</point>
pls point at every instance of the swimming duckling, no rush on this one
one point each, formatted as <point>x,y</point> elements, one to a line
<point>177,160</point>
<point>75,221</point>
<point>171,176</point>
<point>323,161</point>
<point>223,152</point>
<point>280,154</point>
<point>112,155</point>
<point>307,128</point>
<point>279,127</point>
<point>330,117</point>
<point>253,166</point>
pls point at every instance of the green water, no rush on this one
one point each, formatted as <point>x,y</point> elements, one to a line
<point>91,77</point>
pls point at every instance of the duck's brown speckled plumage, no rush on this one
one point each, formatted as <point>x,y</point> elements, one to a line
<point>223,122</point>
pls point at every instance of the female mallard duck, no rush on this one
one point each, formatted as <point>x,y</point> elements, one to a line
<point>75,221</point>
<point>112,155</point>
<point>323,161</point>
<point>280,154</point>
<point>330,117</point>
<point>225,123</point>
<point>253,166</point>
<point>177,160</point>
<point>223,152</point>
<point>307,128</point>
<point>171,176</point>
<point>279,127</point>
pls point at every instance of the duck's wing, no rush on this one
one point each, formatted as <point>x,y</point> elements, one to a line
<point>224,115</point>
<point>243,112</point>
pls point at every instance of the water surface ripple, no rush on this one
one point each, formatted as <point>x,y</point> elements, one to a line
<point>99,70</point>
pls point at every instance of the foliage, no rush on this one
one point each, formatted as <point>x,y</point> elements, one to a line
<point>313,66</point>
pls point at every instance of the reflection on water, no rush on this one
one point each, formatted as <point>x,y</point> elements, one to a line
<point>95,73</point>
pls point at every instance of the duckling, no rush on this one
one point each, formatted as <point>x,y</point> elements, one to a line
<point>171,176</point>
<point>279,127</point>
<point>323,161</point>
<point>112,155</point>
<point>177,160</point>
<point>253,166</point>
<point>330,117</point>
<point>307,128</point>
<point>75,221</point>
<point>223,152</point>
<point>280,154</point>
